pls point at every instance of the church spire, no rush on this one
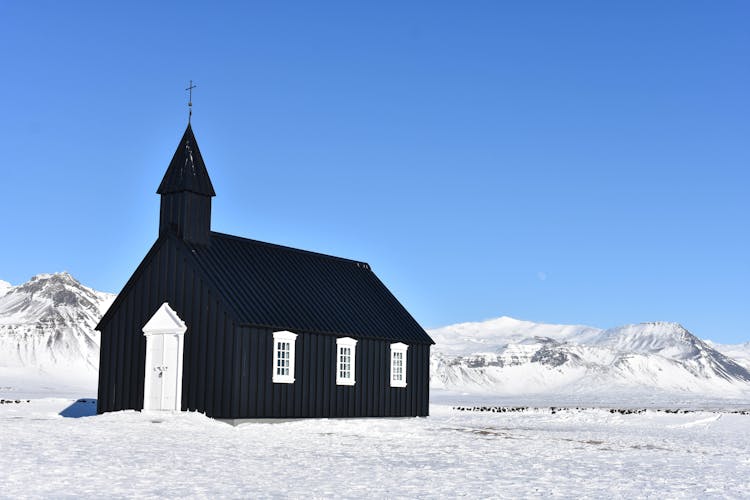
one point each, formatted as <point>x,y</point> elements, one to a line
<point>186,193</point>
<point>186,171</point>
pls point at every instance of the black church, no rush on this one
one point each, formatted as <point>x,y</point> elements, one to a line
<point>237,328</point>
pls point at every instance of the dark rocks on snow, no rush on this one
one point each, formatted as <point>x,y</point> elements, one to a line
<point>622,411</point>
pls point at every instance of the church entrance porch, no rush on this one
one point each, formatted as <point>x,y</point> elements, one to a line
<point>162,383</point>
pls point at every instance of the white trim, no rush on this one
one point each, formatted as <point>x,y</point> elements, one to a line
<point>164,320</point>
<point>398,350</point>
<point>287,338</point>
<point>341,344</point>
<point>164,324</point>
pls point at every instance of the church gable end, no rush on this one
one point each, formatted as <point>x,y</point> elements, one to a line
<point>167,274</point>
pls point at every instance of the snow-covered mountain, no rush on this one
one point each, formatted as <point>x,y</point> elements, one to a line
<point>48,324</point>
<point>506,356</point>
<point>738,352</point>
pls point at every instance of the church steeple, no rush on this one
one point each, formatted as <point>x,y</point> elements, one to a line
<point>186,171</point>
<point>186,193</point>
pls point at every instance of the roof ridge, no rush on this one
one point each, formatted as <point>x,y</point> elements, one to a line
<point>359,263</point>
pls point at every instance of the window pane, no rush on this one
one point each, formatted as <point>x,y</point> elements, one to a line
<point>344,368</point>
<point>397,361</point>
<point>283,357</point>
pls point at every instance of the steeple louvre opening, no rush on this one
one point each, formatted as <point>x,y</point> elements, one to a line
<point>186,193</point>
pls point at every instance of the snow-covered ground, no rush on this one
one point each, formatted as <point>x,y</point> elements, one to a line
<point>35,383</point>
<point>537,453</point>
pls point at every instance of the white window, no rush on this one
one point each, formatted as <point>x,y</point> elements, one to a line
<point>345,356</point>
<point>398,364</point>
<point>283,357</point>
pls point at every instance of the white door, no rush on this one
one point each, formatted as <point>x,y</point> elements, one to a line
<point>154,373</point>
<point>163,373</point>
<point>162,384</point>
<point>169,373</point>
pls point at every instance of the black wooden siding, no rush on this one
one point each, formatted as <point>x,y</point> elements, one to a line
<point>187,214</point>
<point>314,392</point>
<point>228,368</point>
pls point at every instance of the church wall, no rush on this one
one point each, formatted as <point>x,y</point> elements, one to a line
<point>314,392</point>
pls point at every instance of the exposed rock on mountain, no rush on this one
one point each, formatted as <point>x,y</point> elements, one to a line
<point>49,322</point>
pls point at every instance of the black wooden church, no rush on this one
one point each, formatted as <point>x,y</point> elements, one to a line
<point>238,328</point>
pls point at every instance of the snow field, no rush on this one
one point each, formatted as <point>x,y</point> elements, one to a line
<point>589,453</point>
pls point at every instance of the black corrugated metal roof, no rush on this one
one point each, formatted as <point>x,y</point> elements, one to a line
<point>186,171</point>
<point>282,287</point>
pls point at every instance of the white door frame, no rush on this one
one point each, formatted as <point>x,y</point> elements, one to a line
<point>164,322</point>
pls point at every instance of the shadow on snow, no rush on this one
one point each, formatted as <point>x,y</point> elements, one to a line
<point>81,408</point>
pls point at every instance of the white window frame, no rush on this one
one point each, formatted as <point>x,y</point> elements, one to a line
<point>401,349</point>
<point>278,337</point>
<point>341,344</point>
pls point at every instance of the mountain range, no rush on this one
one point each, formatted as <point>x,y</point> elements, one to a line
<point>509,357</point>
<point>47,331</point>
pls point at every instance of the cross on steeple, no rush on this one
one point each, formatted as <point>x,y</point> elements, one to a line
<point>190,99</point>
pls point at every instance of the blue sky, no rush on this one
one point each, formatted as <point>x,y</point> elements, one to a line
<point>570,162</point>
